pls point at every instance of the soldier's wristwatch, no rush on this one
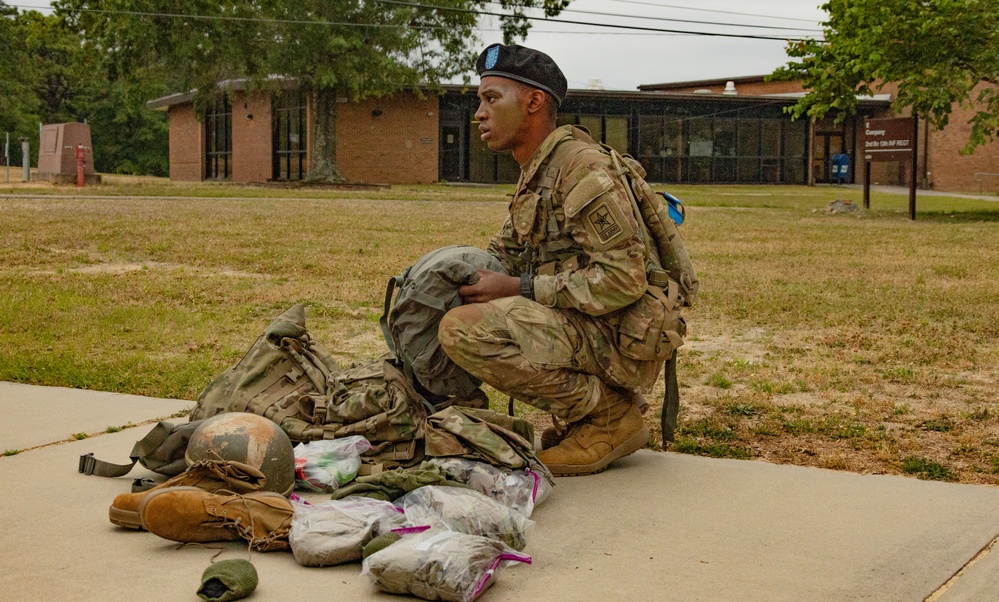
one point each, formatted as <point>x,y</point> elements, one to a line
<point>527,286</point>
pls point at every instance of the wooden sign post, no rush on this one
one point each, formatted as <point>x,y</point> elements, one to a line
<point>891,140</point>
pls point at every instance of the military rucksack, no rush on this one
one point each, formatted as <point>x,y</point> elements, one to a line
<point>652,327</point>
<point>290,379</point>
<point>424,292</point>
<point>666,249</point>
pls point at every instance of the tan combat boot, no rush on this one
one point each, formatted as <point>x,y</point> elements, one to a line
<point>613,429</point>
<point>192,515</point>
<point>209,475</point>
<point>553,435</point>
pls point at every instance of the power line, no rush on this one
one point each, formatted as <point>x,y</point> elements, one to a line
<point>671,19</point>
<point>630,28</point>
<point>609,25</point>
<point>136,13</point>
<point>709,10</point>
<point>600,33</point>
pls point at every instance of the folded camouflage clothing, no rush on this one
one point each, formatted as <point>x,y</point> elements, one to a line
<point>393,484</point>
<point>466,511</point>
<point>521,490</point>
<point>335,532</point>
<point>439,565</point>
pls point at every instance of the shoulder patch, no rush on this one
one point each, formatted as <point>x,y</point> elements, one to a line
<point>585,190</point>
<point>603,222</point>
<point>606,223</point>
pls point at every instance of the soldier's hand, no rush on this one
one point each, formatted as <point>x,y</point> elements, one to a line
<point>491,285</point>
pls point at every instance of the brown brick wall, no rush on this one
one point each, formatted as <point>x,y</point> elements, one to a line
<point>400,146</point>
<point>187,144</point>
<point>950,170</point>
<point>251,138</point>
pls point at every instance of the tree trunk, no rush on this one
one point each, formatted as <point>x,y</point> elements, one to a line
<point>323,168</point>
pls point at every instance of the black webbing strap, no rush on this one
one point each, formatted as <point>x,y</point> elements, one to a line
<point>671,399</point>
<point>91,465</point>
<point>383,321</point>
<point>143,447</point>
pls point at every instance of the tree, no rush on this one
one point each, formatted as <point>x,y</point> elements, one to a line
<point>939,53</point>
<point>18,103</point>
<point>345,49</point>
<point>52,78</point>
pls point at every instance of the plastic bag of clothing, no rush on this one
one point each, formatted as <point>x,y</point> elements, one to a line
<point>521,490</point>
<point>323,465</point>
<point>335,532</point>
<point>440,565</point>
<point>466,511</point>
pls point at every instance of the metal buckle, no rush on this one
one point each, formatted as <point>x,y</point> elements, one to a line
<point>87,463</point>
<point>140,485</point>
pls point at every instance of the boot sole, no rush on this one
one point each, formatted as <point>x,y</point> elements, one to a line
<point>124,518</point>
<point>631,445</point>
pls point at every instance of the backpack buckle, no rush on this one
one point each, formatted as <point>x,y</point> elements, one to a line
<point>140,485</point>
<point>87,463</point>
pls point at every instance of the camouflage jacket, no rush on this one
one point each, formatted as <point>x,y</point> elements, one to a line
<point>572,226</point>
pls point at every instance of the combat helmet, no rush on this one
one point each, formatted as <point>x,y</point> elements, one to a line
<point>250,439</point>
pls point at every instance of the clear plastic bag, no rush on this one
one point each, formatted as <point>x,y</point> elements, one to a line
<point>335,532</point>
<point>322,466</point>
<point>466,511</point>
<point>440,565</point>
<point>521,490</point>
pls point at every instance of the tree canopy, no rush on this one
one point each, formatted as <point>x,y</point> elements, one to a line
<point>939,53</point>
<point>18,103</point>
<point>48,76</point>
<point>349,48</point>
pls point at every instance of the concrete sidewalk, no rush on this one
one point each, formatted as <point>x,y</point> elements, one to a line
<point>654,526</point>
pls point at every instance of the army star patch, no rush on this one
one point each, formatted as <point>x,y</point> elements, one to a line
<point>604,223</point>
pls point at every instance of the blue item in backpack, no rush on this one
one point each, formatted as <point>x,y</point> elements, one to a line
<point>675,207</point>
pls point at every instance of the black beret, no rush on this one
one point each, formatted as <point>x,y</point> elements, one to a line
<point>525,65</point>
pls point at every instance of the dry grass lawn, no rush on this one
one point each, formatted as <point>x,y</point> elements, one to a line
<point>866,342</point>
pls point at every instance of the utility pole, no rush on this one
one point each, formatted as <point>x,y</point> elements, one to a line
<point>26,158</point>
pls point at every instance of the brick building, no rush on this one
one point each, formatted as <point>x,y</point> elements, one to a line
<point>711,131</point>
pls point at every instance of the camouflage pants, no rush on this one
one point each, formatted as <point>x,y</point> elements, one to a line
<point>539,355</point>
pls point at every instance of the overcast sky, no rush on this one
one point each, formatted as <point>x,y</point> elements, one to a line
<point>622,59</point>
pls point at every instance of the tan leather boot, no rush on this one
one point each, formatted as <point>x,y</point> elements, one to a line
<point>613,429</point>
<point>189,514</point>
<point>553,435</point>
<point>209,475</point>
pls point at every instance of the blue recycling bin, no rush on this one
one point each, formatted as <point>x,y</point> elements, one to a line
<point>840,167</point>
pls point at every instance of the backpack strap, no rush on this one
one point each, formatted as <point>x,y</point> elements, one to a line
<point>143,448</point>
<point>383,321</point>
<point>671,400</point>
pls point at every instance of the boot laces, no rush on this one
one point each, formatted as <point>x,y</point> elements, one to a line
<point>247,532</point>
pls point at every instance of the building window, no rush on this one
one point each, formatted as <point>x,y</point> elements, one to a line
<point>218,140</point>
<point>612,130</point>
<point>289,136</point>
<point>711,149</point>
<point>676,140</point>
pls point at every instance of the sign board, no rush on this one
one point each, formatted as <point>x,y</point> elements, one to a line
<point>891,140</point>
<point>888,139</point>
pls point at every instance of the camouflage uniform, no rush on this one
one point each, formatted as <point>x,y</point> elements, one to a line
<point>572,226</point>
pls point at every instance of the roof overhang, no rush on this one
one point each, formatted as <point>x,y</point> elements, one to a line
<point>165,103</point>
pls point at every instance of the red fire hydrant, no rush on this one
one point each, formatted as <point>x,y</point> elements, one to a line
<point>80,164</point>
